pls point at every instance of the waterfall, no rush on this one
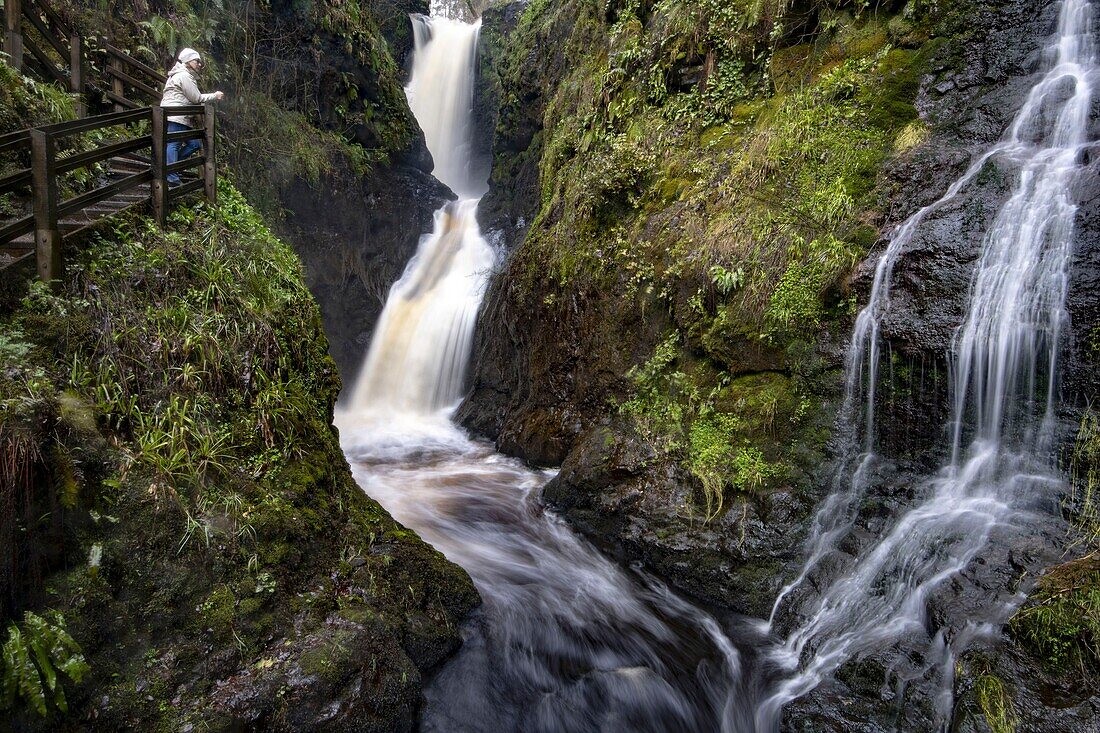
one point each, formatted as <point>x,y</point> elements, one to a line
<point>441,96</point>
<point>565,639</point>
<point>1004,360</point>
<point>416,365</point>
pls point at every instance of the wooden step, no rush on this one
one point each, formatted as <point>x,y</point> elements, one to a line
<point>10,255</point>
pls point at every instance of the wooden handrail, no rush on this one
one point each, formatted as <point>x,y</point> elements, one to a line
<point>124,70</point>
<point>47,165</point>
<point>99,155</point>
<point>17,228</point>
<point>48,25</point>
<point>44,61</point>
<point>51,15</point>
<point>126,58</point>
<point>86,124</point>
<point>84,200</point>
<point>60,46</point>
<point>15,139</point>
<point>135,83</point>
<point>15,181</point>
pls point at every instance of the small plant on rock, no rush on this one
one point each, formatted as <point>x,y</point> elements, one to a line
<point>34,658</point>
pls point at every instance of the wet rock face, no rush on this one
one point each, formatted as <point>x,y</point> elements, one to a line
<point>355,237</point>
<point>511,125</point>
<point>615,489</point>
<point>353,232</point>
<point>542,391</point>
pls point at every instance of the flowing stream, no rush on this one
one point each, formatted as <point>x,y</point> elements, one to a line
<point>567,640</point>
<point>1004,365</point>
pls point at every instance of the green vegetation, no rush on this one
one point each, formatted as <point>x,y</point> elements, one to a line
<point>729,438</point>
<point>995,703</point>
<point>303,119</point>
<point>1061,622</point>
<point>169,410</point>
<point>35,657</point>
<point>26,103</point>
<point>714,165</point>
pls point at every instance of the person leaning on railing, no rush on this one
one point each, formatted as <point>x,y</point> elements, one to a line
<point>180,90</point>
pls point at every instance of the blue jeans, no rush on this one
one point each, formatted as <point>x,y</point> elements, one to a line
<point>177,151</point>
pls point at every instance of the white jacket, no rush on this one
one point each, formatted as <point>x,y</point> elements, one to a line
<point>181,90</point>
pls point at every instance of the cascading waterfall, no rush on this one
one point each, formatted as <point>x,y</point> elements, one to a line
<point>441,96</point>
<point>417,361</point>
<point>565,640</point>
<point>1004,359</point>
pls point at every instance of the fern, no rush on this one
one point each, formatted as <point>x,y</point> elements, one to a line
<point>34,656</point>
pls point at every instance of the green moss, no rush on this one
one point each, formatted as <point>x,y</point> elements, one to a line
<point>179,384</point>
<point>332,659</point>
<point>996,704</point>
<point>216,613</point>
<point>1060,624</point>
<point>25,102</point>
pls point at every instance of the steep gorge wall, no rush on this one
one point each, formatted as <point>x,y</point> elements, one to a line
<point>316,131</point>
<point>694,224</point>
<point>170,408</point>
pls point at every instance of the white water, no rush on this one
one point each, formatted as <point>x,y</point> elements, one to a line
<point>441,96</point>
<point>418,356</point>
<point>565,639</point>
<point>1004,359</point>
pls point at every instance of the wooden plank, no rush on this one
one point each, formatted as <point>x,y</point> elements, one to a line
<point>90,157</point>
<point>186,164</point>
<point>111,119</point>
<point>103,193</point>
<point>143,201</point>
<point>186,188</point>
<point>135,83</point>
<point>13,32</point>
<point>51,15</point>
<point>137,158</point>
<point>15,260</point>
<point>209,166</point>
<point>47,236</point>
<point>159,189</point>
<point>118,91</point>
<point>17,228</point>
<point>58,45</point>
<point>77,73</point>
<point>48,65</point>
<point>129,60</point>
<point>122,103</point>
<point>15,181</point>
<point>19,138</point>
<point>192,134</point>
<point>185,110</point>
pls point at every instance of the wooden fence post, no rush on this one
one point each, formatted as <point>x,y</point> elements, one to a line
<point>47,234</point>
<point>116,84</point>
<point>76,72</point>
<point>159,186</point>
<point>13,32</point>
<point>209,168</point>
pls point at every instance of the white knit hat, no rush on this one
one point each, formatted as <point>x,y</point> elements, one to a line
<point>188,55</point>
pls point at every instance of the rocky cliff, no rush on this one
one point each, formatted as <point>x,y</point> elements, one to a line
<point>316,130</point>
<point>696,195</point>
<point>181,533</point>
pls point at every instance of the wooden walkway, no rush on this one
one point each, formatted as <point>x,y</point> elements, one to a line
<point>129,170</point>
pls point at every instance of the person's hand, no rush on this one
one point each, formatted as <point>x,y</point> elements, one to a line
<point>219,95</point>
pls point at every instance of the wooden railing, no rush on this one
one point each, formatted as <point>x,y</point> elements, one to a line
<point>53,218</point>
<point>133,84</point>
<point>69,68</point>
<point>122,81</point>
